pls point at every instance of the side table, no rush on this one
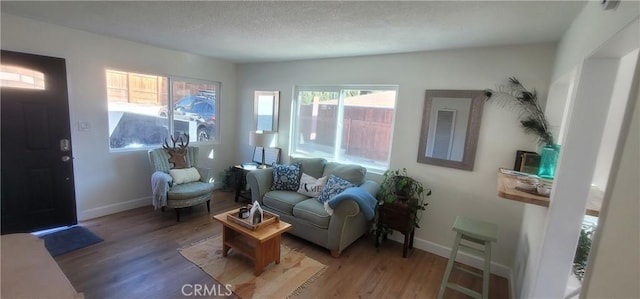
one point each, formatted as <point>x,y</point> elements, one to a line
<point>397,216</point>
<point>241,181</point>
<point>262,245</point>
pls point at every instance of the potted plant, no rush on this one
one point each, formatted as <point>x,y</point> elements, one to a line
<point>401,200</point>
<point>582,251</point>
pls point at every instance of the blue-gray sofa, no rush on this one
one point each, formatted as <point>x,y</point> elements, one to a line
<point>307,215</point>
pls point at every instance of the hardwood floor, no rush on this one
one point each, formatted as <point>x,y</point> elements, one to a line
<point>139,259</point>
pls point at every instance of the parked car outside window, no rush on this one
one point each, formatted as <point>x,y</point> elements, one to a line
<point>200,108</point>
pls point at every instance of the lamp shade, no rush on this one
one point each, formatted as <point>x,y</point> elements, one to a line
<point>262,139</point>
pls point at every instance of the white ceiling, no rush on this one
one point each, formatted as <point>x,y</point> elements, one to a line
<point>261,31</point>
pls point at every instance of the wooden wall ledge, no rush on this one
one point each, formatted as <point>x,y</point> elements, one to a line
<point>506,189</point>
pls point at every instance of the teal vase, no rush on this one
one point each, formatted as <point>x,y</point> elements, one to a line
<point>548,161</point>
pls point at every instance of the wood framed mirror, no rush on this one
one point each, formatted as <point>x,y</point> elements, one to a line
<point>265,110</point>
<point>450,127</point>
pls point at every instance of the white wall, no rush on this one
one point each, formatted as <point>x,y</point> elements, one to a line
<point>455,192</point>
<point>614,121</point>
<point>575,172</point>
<point>532,232</point>
<point>528,252</point>
<point>110,182</point>
<point>591,28</point>
<point>614,265</point>
<point>558,103</point>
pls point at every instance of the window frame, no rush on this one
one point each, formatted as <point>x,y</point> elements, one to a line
<point>340,90</point>
<point>170,103</point>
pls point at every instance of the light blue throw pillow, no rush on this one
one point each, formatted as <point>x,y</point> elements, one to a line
<point>286,177</point>
<point>334,186</point>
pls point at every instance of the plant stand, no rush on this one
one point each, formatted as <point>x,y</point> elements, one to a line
<point>396,216</point>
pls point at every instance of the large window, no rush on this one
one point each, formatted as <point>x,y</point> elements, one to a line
<point>140,115</point>
<point>351,124</point>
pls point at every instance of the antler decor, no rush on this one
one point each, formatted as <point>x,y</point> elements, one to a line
<point>177,153</point>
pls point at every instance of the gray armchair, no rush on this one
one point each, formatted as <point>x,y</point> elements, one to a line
<point>179,196</point>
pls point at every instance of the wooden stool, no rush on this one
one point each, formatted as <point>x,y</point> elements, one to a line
<point>473,237</point>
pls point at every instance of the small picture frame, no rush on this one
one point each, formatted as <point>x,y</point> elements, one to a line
<point>271,155</point>
<point>527,162</point>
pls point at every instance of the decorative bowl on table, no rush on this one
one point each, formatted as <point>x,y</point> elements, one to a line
<point>543,189</point>
<point>526,183</point>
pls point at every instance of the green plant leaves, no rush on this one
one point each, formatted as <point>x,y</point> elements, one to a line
<point>582,251</point>
<point>397,185</point>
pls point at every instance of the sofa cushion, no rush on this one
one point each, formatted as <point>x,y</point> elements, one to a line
<point>350,172</point>
<point>189,190</point>
<point>334,186</point>
<point>311,186</point>
<point>312,211</point>
<point>286,177</point>
<point>311,166</point>
<point>283,201</point>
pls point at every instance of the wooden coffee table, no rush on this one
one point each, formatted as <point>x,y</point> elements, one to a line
<point>261,245</point>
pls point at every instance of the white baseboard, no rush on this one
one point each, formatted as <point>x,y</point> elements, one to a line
<point>123,206</point>
<point>463,257</point>
<point>114,208</point>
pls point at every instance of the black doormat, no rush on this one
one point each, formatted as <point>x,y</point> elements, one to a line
<point>68,240</point>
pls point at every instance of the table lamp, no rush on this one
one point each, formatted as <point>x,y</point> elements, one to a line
<point>262,139</point>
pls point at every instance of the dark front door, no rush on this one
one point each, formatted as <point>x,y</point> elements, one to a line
<point>37,171</point>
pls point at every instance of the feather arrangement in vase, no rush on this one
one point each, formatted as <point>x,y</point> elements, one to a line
<point>525,102</point>
<point>532,119</point>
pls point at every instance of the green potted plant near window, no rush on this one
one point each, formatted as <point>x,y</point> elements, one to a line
<point>401,200</point>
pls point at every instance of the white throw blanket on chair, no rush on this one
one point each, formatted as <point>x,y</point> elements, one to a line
<point>160,186</point>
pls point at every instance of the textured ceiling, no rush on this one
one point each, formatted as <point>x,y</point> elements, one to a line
<point>262,31</point>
